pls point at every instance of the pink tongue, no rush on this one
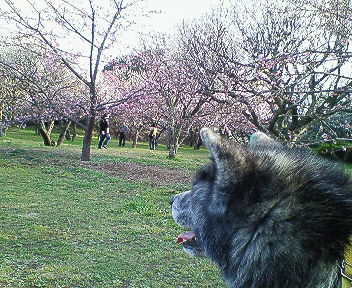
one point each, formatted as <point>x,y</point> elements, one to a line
<point>189,235</point>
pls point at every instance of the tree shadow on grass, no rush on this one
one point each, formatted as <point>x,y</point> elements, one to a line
<point>154,175</point>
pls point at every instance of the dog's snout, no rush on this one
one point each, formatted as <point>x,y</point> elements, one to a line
<point>172,199</point>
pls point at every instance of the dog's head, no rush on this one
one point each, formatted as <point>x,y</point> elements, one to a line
<point>228,178</point>
<point>253,205</point>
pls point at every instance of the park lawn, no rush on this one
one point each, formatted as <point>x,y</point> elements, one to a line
<point>64,224</point>
<point>69,224</point>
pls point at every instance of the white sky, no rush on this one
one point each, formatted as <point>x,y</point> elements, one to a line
<point>172,13</point>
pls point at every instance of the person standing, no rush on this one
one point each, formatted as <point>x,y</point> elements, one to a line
<point>104,136</point>
<point>198,141</point>
<point>152,137</point>
<point>122,139</point>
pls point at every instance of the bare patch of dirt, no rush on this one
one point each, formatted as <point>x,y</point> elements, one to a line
<point>157,175</point>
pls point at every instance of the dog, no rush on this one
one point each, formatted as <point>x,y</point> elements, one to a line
<point>267,215</point>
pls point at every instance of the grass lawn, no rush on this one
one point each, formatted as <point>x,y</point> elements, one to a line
<point>106,223</point>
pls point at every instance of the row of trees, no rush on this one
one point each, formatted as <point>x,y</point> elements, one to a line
<point>284,68</point>
<point>75,36</point>
<point>280,67</point>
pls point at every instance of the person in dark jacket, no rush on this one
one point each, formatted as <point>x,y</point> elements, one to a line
<point>122,139</point>
<point>152,136</point>
<point>104,137</point>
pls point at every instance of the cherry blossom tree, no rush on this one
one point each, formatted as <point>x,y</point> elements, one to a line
<point>79,33</point>
<point>47,91</point>
<point>126,76</point>
<point>179,95</point>
<point>276,65</point>
<point>176,95</point>
<point>298,69</point>
<point>10,96</point>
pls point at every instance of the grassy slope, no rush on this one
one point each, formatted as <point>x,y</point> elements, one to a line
<point>68,226</point>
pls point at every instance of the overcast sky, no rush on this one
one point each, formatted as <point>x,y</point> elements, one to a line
<point>171,13</point>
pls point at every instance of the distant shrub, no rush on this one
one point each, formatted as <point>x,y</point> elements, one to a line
<point>340,150</point>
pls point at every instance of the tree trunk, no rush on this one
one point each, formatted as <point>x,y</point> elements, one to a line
<point>87,140</point>
<point>135,136</point>
<point>45,133</point>
<point>173,143</point>
<point>74,132</point>
<point>2,126</point>
<point>171,130</point>
<point>172,152</point>
<point>2,129</point>
<point>71,132</point>
<point>88,133</point>
<point>64,128</point>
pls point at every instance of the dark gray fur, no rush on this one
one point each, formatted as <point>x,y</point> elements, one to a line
<point>269,216</point>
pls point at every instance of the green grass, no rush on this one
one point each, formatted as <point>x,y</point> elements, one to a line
<point>64,224</point>
<point>67,225</point>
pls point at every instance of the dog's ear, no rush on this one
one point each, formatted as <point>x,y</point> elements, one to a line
<point>237,174</point>
<point>227,157</point>
<point>212,141</point>
<point>259,139</point>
